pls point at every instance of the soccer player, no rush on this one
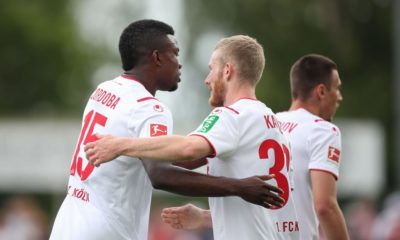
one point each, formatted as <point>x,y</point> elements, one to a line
<point>242,139</point>
<point>315,145</point>
<point>113,201</point>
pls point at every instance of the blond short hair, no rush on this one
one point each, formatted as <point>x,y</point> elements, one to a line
<point>247,53</point>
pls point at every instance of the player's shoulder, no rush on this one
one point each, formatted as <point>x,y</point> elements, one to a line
<point>224,112</point>
<point>152,104</point>
<point>232,112</point>
<point>308,120</point>
<point>227,114</point>
<point>124,88</point>
<point>324,124</point>
<point>282,114</point>
<point>321,129</point>
<point>295,116</point>
<point>113,83</point>
<point>247,105</point>
<point>149,108</point>
<point>137,94</point>
<point>311,119</point>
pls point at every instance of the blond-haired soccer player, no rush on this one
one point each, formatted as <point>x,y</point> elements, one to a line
<point>315,147</point>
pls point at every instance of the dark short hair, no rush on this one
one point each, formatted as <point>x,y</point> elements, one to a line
<point>308,72</point>
<point>139,39</point>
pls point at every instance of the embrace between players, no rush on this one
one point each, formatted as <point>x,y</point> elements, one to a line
<point>254,191</point>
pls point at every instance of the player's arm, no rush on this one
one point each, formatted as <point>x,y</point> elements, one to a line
<point>165,176</point>
<point>187,217</point>
<point>163,148</point>
<point>191,164</point>
<point>326,205</point>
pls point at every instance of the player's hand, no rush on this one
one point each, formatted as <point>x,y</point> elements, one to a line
<point>104,149</point>
<point>186,217</point>
<point>255,190</point>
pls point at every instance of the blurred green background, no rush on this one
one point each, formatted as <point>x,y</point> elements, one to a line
<point>53,53</point>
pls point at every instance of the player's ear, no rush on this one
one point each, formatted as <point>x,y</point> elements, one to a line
<point>320,90</point>
<point>228,71</point>
<point>155,57</point>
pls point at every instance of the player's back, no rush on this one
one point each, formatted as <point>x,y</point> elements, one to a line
<point>309,135</point>
<point>113,200</point>
<point>250,143</point>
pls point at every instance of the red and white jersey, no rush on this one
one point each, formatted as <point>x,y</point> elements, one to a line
<point>315,146</point>
<point>112,201</point>
<point>247,142</point>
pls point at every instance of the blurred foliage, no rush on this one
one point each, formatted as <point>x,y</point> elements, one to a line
<point>44,64</point>
<point>46,67</point>
<point>354,33</point>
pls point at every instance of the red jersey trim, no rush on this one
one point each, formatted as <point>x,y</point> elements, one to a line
<point>133,79</point>
<point>319,120</point>
<point>233,110</point>
<point>325,171</point>
<point>209,143</point>
<point>146,98</point>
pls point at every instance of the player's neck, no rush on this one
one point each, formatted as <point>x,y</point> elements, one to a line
<point>143,79</point>
<point>234,94</point>
<point>312,108</point>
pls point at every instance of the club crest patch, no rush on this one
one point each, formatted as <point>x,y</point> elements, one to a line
<point>158,108</point>
<point>217,111</point>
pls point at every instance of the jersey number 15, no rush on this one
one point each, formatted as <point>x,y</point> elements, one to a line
<point>86,136</point>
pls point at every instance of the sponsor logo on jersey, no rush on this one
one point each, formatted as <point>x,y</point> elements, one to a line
<point>333,154</point>
<point>208,123</point>
<point>158,130</point>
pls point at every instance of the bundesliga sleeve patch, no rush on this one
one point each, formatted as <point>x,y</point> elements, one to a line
<point>158,130</point>
<point>334,154</point>
<point>208,123</point>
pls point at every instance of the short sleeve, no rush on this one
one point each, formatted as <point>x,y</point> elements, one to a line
<point>220,129</point>
<point>151,119</point>
<point>325,149</point>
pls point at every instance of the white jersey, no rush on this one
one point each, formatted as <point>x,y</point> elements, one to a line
<point>247,142</point>
<point>315,146</point>
<point>113,200</point>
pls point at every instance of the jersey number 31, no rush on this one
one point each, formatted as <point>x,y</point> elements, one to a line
<point>282,158</point>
